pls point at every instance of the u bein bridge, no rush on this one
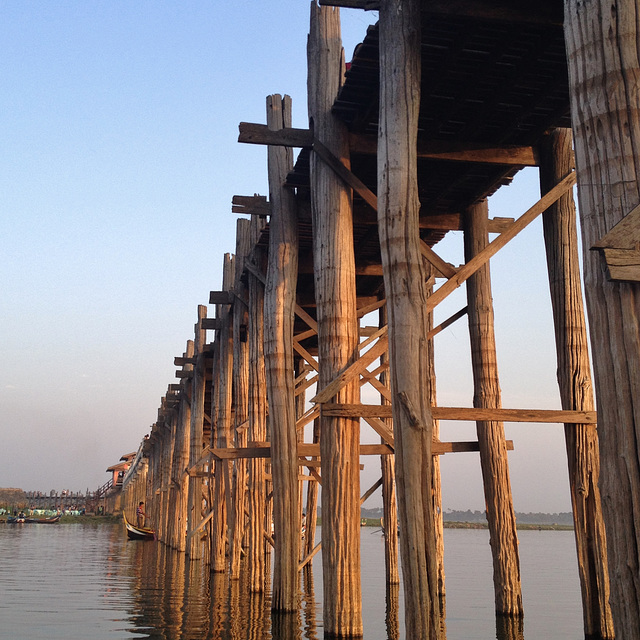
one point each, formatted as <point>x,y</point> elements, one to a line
<point>441,105</point>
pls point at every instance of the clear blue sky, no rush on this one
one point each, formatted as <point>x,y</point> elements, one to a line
<point>118,165</point>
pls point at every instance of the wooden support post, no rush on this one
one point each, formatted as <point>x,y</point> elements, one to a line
<point>282,276</point>
<point>388,468</point>
<point>436,481</point>
<point>179,487</point>
<point>493,451</point>
<point>257,420</point>
<point>574,380</point>
<point>601,40</point>
<point>334,270</point>
<point>196,426</point>
<point>398,208</point>
<point>221,416</point>
<point>240,401</point>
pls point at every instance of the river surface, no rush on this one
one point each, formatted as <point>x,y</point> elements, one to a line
<point>75,581</point>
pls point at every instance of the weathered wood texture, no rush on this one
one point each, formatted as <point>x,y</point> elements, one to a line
<point>179,486</point>
<point>493,451</point>
<point>221,417</point>
<point>196,426</point>
<point>388,469</point>
<point>240,400</point>
<point>257,422</point>
<point>574,380</point>
<point>279,301</point>
<point>604,77</point>
<point>335,291</point>
<point>404,277</point>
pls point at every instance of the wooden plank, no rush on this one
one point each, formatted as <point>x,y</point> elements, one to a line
<point>468,269</point>
<point>624,235</point>
<point>372,489</point>
<point>211,324</point>
<point>623,265</point>
<point>444,268</point>
<point>550,416</point>
<point>287,136</point>
<point>300,350</point>
<point>254,205</point>
<point>181,361</point>
<point>449,321</point>
<point>221,297</point>
<point>349,178</point>
<point>351,372</point>
<point>518,156</point>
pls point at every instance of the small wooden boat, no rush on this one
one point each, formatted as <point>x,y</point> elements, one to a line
<point>138,533</point>
<point>16,519</point>
<point>51,520</point>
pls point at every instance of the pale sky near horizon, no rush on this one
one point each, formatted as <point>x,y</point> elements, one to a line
<point>119,162</point>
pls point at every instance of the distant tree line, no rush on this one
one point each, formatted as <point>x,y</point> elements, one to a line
<point>450,515</point>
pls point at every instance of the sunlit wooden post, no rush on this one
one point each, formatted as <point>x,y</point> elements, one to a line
<point>280,292</point>
<point>388,468</point>
<point>240,397</point>
<point>257,416</point>
<point>604,75</point>
<point>179,487</point>
<point>493,448</point>
<point>404,278</point>
<point>196,425</point>
<point>221,417</point>
<point>338,335</point>
<point>574,379</point>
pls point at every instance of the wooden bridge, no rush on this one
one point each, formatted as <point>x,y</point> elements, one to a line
<point>442,103</point>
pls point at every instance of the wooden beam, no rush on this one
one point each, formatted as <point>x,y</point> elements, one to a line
<point>458,152</point>
<point>351,372</point>
<point>287,136</point>
<point>468,269</point>
<point>551,416</point>
<point>254,205</point>
<point>221,297</point>
<point>444,268</point>
<point>181,361</point>
<point>548,13</point>
<point>210,323</point>
<point>449,321</point>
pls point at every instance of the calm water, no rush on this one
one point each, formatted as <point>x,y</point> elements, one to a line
<point>82,581</point>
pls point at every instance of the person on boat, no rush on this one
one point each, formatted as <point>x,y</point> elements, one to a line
<point>140,515</point>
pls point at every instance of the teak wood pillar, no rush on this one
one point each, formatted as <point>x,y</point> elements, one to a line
<point>196,427</point>
<point>404,278</point>
<point>257,417</point>
<point>387,467</point>
<point>240,398</point>
<point>574,380</point>
<point>493,449</point>
<point>179,486</point>
<point>604,80</point>
<point>279,302</point>
<point>338,336</point>
<point>221,417</point>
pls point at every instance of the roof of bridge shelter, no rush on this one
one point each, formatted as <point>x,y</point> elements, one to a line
<point>494,80</point>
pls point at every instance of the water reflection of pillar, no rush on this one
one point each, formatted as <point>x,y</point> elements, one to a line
<point>509,628</point>
<point>309,603</point>
<point>258,616</point>
<point>218,611</point>
<point>285,625</point>
<point>391,619</point>
<point>172,567</point>
<point>195,619</point>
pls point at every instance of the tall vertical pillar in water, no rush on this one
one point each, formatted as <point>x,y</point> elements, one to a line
<point>237,515</point>
<point>196,425</point>
<point>335,290</point>
<point>604,81</point>
<point>574,380</point>
<point>279,303</point>
<point>221,408</point>
<point>493,447</point>
<point>404,279</point>
<point>257,416</point>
